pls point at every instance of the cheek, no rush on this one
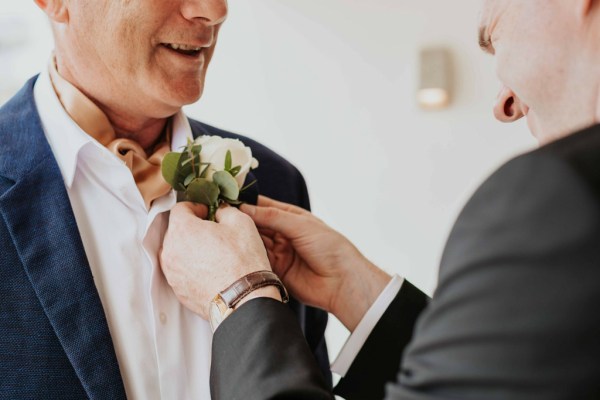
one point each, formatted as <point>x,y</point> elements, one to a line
<point>519,73</point>
<point>129,47</point>
<point>112,46</point>
<point>211,51</point>
<point>532,123</point>
<point>127,31</point>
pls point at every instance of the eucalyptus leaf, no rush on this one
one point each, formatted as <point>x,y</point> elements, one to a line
<point>235,170</point>
<point>205,171</point>
<point>228,161</point>
<point>189,179</point>
<point>190,164</point>
<point>170,169</point>
<point>185,167</point>
<point>248,185</point>
<point>188,150</point>
<point>227,184</point>
<point>203,191</point>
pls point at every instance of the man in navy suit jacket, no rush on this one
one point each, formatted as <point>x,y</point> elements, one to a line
<point>139,62</point>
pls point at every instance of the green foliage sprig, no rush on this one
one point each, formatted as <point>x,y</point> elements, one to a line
<point>189,175</point>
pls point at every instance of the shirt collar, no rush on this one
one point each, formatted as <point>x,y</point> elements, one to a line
<point>87,115</point>
<point>67,134</point>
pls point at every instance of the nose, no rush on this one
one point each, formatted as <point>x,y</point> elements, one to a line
<point>213,12</point>
<point>508,106</point>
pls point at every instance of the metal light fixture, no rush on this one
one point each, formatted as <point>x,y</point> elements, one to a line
<point>435,87</point>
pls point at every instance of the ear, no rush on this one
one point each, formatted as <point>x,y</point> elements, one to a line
<point>56,10</point>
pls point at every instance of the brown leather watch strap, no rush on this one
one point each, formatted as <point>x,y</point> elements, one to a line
<point>247,284</point>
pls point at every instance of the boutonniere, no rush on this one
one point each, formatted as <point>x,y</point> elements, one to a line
<point>210,170</point>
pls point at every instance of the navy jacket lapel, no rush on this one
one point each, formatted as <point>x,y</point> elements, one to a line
<point>37,211</point>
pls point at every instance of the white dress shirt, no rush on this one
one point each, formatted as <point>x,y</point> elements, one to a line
<point>162,348</point>
<point>357,339</point>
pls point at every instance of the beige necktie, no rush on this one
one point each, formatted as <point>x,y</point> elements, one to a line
<point>145,169</point>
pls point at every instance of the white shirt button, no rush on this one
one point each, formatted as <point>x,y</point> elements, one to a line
<point>163,318</point>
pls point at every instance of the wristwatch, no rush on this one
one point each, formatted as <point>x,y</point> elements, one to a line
<point>224,302</point>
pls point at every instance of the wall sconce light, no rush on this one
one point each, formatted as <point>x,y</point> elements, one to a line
<point>436,78</point>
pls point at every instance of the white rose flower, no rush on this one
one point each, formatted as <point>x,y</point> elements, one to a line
<point>214,151</point>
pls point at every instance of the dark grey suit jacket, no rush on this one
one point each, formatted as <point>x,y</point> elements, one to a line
<point>514,315</point>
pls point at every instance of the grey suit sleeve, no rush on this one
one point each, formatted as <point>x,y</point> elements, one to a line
<point>259,353</point>
<point>379,359</point>
<point>515,313</point>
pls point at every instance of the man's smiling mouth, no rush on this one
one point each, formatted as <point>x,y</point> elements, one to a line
<point>184,49</point>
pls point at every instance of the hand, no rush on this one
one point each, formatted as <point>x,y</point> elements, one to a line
<point>201,258</point>
<point>319,266</point>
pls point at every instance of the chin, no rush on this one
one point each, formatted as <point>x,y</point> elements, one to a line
<point>183,95</point>
<point>535,132</point>
<point>185,99</point>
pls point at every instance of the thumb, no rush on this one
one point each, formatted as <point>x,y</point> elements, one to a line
<point>228,215</point>
<point>187,209</point>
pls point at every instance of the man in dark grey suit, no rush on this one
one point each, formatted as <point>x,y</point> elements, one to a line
<point>514,314</point>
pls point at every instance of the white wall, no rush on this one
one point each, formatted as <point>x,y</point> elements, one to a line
<point>331,86</point>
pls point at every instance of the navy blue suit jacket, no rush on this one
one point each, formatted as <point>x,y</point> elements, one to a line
<point>54,338</point>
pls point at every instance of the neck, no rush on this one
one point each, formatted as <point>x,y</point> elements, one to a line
<point>145,131</point>
<point>597,105</point>
<point>125,121</point>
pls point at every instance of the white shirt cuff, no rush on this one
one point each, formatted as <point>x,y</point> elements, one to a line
<point>357,339</point>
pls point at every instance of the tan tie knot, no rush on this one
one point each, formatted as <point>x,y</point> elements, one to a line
<point>126,149</point>
<point>123,146</point>
<point>146,170</point>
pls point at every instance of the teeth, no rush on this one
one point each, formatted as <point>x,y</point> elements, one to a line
<point>183,47</point>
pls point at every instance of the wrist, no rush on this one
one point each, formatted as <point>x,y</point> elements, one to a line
<point>265,292</point>
<point>360,289</point>
<point>250,286</point>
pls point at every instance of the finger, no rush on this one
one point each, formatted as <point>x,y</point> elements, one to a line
<point>264,201</point>
<point>269,243</point>
<point>224,213</point>
<point>280,240</point>
<point>267,232</point>
<point>228,215</point>
<point>283,222</point>
<point>272,260</point>
<point>187,209</point>
<point>280,268</point>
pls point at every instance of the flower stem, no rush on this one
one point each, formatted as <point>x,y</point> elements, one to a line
<point>212,211</point>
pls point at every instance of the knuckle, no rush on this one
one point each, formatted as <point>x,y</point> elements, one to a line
<point>243,218</point>
<point>176,211</point>
<point>271,213</point>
